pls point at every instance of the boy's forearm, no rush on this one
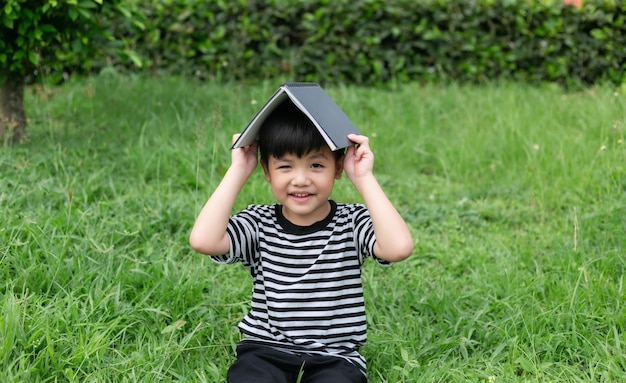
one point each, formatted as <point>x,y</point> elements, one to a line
<point>208,235</point>
<point>393,238</point>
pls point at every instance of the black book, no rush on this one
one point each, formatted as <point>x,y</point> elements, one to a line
<point>332,123</point>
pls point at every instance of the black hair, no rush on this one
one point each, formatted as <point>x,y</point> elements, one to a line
<point>288,130</point>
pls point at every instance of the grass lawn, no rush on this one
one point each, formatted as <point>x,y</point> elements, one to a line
<point>516,197</point>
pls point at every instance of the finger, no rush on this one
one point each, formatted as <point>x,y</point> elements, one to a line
<point>360,152</point>
<point>363,148</point>
<point>252,147</point>
<point>357,138</point>
<point>365,141</point>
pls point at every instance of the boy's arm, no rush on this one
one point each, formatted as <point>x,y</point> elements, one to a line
<point>208,235</point>
<point>393,238</point>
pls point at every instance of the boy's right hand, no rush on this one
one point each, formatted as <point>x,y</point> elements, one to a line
<point>246,158</point>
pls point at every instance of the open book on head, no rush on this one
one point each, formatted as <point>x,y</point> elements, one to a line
<point>331,122</point>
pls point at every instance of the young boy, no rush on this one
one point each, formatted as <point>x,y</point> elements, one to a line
<point>307,316</point>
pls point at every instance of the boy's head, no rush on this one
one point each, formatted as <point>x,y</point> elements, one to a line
<point>289,131</point>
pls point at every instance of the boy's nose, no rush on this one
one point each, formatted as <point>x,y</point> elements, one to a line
<point>300,178</point>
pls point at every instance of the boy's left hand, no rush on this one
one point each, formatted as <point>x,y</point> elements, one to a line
<point>359,159</point>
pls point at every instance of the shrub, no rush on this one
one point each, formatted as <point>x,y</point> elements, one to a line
<point>376,41</point>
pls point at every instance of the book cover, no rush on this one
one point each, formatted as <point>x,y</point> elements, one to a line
<point>332,123</point>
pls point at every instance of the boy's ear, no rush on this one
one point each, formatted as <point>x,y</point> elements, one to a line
<point>339,167</point>
<point>265,170</point>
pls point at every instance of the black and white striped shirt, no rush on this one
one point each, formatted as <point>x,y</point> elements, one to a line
<point>307,295</point>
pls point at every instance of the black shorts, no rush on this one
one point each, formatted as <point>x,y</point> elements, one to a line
<point>261,364</point>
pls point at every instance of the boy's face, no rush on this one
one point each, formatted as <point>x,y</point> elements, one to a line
<point>303,184</point>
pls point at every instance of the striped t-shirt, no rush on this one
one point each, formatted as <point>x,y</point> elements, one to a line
<point>307,295</point>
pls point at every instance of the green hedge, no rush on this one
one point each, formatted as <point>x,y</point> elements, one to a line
<point>373,42</point>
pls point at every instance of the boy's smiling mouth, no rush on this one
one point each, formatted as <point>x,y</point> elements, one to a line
<point>300,195</point>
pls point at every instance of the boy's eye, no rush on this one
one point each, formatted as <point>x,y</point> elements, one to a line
<point>317,166</point>
<point>284,167</point>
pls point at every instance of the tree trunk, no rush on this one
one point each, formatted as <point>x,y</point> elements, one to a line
<point>12,114</point>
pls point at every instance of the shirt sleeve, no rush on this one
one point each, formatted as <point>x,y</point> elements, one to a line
<point>365,237</point>
<point>242,231</point>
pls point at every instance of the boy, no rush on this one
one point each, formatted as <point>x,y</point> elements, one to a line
<point>307,316</point>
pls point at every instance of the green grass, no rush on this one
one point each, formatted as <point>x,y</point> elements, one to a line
<point>516,196</point>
